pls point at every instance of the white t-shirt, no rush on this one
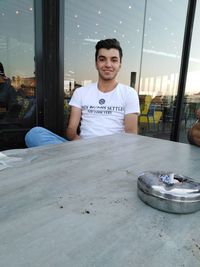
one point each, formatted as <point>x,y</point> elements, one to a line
<point>103,113</point>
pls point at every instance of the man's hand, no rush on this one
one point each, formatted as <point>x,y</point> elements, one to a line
<point>77,137</point>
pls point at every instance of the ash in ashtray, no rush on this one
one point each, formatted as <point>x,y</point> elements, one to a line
<point>168,179</point>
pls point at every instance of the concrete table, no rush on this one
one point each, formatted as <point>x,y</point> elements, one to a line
<point>76,204</point>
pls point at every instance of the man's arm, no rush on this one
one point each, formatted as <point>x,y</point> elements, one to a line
<point>131,123</point>
<point>74,120</point>
<point>198,113</point>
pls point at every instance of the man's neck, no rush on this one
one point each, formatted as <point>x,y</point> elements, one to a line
<point>106,86</point>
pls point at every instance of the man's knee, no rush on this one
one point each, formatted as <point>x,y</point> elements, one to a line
<point>36,130</point>
<point>33,131</point>
<point>39,136</point>
<point>32,135</point>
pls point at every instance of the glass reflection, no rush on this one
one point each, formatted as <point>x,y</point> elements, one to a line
<point>163,37</point>
<point>192,91</point>
<point>17,57</point>
<point>88,22</point>
<point>151,34</point>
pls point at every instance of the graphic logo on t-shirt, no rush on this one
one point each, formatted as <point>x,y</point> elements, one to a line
<point>102,101</point>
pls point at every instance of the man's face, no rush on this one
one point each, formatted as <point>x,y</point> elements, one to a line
<point>108,63</point>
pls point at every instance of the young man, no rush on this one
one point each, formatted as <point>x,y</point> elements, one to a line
<point>103,108</point>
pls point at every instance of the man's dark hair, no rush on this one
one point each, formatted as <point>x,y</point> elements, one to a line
<point>108,44</point>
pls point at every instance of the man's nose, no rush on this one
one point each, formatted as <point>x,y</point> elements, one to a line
<point>108,63</point>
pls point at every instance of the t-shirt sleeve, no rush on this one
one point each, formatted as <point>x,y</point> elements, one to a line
<point>76,99</point>
<point>132,102</point>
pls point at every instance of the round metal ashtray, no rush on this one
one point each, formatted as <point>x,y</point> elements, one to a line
<point>169,192</point>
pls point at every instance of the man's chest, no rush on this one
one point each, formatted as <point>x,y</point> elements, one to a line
<point>98,103</point>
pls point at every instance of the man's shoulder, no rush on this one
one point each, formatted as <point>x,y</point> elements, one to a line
<point>87,87</point>
<point>126,89</point>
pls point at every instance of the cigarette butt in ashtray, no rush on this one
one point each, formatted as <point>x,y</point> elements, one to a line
<point>171,179</point>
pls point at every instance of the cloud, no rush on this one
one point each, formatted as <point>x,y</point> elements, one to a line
<point>160,53</point>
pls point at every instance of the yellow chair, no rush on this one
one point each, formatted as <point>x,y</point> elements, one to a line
<point>148,114</point>
<point>144,106</point>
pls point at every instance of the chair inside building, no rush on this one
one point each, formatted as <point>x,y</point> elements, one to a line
<point>150,117</point>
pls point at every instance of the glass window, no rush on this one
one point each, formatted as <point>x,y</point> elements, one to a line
<point>17,80</point>
<point>161,59</point>
<point>151,35</point>
<point>192,90</point>
<point>86,22</point>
